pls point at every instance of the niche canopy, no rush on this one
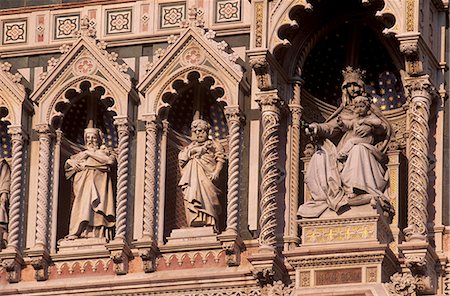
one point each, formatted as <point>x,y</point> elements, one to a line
<point>193,51</point>
<point>86,60</point>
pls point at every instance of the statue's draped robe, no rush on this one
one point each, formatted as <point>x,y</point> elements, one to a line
<point>330,182</point>
<point>5,183</point>
<point>93,205</point>
<point>200,194</point>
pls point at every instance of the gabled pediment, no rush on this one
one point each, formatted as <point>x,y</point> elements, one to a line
<point>12,95</point>
<point>86,60</point>
<point>194,50</point>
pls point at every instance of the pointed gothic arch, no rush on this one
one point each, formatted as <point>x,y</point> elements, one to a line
<point>195,51</point>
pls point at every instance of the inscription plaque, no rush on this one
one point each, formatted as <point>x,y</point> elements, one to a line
<point>338,276</point>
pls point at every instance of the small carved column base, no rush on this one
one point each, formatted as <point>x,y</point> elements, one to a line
<point>120,254</point>
<point>268,267</point>
<point>40,260</point>
<point>233,245</point>
<point>148,251</point>
<point>12,262</point>
<point>420,263</point>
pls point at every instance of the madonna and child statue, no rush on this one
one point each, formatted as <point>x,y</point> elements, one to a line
<point>348,167</point>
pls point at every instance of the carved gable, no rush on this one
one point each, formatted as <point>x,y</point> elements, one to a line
<point>86,60</point>
<point>194,50</point>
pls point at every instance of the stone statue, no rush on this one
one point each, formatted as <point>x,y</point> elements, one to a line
<point>201,163</point>
<point>351,172</point>
<point>93,209</point>
<point>5,183</point>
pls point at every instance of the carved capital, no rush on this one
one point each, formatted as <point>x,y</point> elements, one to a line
<point>296,113</point>
<point>234,115</point>
<point>269,102</point>
<point>43,130</point>
<point>152,124</point>
<point>409,47</point>
<point>123,125</point>
<point>419,88</point>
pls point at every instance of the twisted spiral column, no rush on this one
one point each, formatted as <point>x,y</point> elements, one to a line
<point>296,111</point>
<point>150,183</point>
<point>123,128</point>
<point>43,184</point>
<point>419,113</point>
<point>234,118</point>
<point>17,141</point>
<point>270,117</point>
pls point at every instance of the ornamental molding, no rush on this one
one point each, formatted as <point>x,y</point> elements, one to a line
<point>194,50</point>
<point>12,94</point>
<point>85,60</point>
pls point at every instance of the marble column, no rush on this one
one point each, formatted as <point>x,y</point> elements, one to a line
<point>417,152</point>
<point>270,119</point>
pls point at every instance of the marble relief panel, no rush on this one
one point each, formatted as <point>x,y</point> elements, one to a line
<point>118,21</point>
<point>66,26</point>
<point>171,14</point>
<point>14,31</point>
<point>227,11</point>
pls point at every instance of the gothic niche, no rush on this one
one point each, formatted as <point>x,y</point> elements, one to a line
<point>5,178</point>
<point>196,163</point>
<point>87,167</point>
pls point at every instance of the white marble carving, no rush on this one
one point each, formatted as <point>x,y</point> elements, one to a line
<point>352,172</point>
<point>5,182</point>
<point>201,163</point>
<point>93,210</point>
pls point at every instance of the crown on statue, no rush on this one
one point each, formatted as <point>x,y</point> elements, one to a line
<point>353,74</point>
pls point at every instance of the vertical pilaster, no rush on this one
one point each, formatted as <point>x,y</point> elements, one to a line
<point>119,249</point>
<point>39,253</point>
<point>230,238</point>
<point>270,119</point>
<point>293,160</point>
<point>147,245</point>
<point>418,116</point>
<point>11,257</point>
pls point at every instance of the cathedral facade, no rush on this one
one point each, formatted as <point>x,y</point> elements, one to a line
<point>224,147</point>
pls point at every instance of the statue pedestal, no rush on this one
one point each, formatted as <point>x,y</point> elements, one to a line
<point>192,236</point>
<point>82,245</point>
<point>339,250</point>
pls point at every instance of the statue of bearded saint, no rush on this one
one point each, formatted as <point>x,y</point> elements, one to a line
<point>201,163</point>
<point>93,209</point>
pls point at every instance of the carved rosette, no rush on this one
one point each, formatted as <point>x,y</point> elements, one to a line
<point>418,115</point>
<point>123,129</point>
<point>270,118</point>
<point>45,139</point>
<point>14,227</point>
<point>150,183</point>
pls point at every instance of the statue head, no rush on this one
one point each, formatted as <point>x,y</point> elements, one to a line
<point>361,105</point>
<point>200,130</point>
<point>353,84</point>
<point>92,138</point>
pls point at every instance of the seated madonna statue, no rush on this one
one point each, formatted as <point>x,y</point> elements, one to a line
<point>93,209</point>
<point>201,162</point>
<point>352,172</point>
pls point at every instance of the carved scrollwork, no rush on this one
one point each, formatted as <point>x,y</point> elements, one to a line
<point>402,284</point>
